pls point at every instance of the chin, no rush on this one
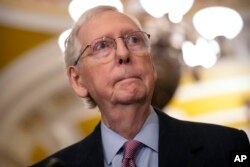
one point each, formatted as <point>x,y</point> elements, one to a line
<point>129,99</point>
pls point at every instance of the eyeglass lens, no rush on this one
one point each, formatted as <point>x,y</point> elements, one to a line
<point>134,41</point>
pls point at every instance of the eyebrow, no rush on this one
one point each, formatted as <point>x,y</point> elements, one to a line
<point>122,33</point>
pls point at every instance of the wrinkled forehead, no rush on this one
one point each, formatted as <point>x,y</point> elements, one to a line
<point>105,23</point>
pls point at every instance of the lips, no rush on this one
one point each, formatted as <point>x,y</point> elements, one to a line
<point>121,78</point>
<point>126,72</point>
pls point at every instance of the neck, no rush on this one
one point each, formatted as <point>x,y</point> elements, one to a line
<point>126,120</point>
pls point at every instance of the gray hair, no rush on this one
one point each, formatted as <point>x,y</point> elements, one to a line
<point>73,46</point>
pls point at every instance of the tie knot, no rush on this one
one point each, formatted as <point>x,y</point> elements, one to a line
<point>130,148</point>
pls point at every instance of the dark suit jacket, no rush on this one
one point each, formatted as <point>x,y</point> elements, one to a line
<point>181,144</point>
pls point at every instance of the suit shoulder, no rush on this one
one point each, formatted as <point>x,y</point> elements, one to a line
<point>210,129</point>
<point>209,133</point>
<point>76,152</point>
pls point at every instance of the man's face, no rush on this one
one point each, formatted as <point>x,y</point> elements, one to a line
<point>109,80</point>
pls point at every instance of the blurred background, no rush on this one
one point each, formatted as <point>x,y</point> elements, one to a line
<point>201,49</point>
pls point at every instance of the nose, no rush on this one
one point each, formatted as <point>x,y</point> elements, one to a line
<point>122,52</point>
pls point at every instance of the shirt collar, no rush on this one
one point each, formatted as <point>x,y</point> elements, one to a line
<point>112,142</point>
<point>148,135</point>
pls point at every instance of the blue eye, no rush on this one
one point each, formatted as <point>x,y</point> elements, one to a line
<point>134,40</point>
<point>102,46</point>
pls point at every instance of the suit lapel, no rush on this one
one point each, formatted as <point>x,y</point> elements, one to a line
<point>177,145</point>
<point>95,156</point>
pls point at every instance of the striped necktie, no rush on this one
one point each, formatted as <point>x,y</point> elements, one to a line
<point>130,147</point>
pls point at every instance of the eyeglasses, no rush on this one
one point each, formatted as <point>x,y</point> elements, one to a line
<point>102,47</point>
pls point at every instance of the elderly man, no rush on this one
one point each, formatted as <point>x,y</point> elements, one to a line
<point>109,62</point>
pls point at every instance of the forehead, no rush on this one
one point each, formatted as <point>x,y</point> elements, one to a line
<point>108,23</point>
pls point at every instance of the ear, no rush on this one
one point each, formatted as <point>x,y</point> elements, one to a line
<point>76,81</point>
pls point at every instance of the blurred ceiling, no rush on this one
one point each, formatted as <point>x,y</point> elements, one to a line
<point>26,23</point>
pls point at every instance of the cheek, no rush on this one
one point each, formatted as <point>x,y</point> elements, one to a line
<point>96,77</point>
<point>149,69</point>
<point>145,64</point>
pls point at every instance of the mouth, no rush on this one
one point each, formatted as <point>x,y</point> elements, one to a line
<point>126,79</point>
